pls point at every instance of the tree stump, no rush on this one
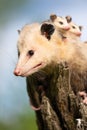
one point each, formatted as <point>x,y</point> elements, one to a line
<point>60,108</point>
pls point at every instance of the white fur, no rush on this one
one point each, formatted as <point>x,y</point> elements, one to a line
<point>57,23</point>
<point>74,33</point>
<point>46,51</point>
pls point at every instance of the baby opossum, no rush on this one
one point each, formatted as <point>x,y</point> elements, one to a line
<point>40,45</point>
<point>74,32</point>
<point>59,22</point>
<point>68,30</point>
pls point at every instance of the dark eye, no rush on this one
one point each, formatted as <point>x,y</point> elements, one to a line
<point>18,53</point>
<point>30,52</point>
<point>61,22</point>
<point>73,27</point>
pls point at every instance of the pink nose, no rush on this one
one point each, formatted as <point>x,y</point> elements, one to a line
<point>17,72</point>
<point>78,34</point>
<point>66,28</point>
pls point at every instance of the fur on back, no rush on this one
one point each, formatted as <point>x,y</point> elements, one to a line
<point>53,51</point>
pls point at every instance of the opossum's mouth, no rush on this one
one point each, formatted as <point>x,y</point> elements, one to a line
<point>78,34</point>
<point>66,28</point>
<point>33,69</point>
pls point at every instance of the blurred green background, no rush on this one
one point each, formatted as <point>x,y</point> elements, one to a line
<point>15,111</point>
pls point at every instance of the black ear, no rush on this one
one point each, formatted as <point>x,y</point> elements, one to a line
<point>53,17</point>
<point>47,30</point>
<point>68,18</point>
<point>80,27</point>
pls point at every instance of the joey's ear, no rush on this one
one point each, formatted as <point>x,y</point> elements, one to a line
<point>19,31</point>
<point>53,17</point>
<point>47,30</point>
<point>80,27</point>
<point>68,18</point>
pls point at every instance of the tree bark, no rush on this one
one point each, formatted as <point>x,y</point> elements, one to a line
<point>60,108</point>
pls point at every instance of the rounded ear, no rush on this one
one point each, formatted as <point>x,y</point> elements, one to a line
<point>68,18</point>
<point>19,31</point>
<point>53,17</point>
<point>47,30</point>
<point>80,27</point>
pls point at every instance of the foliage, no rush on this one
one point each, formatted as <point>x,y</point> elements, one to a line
<point>23,121</point>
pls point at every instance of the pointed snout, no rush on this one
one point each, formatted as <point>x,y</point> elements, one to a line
<point>66,28</point>
<point>17,72</point>
<point>78,34</point>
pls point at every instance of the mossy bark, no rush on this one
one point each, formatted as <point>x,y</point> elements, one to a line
<point>60,109</point>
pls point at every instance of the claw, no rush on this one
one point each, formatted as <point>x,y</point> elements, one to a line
<point>34,108</point>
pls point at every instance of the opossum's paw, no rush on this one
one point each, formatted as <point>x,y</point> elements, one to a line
<point>85,101</point>
<point>83,94</point>
<point>33,107</point>
<point>40,90</point>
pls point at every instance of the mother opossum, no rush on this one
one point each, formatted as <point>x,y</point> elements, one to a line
<point>40,45</point>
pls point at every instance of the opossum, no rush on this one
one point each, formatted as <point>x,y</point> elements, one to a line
<point>40,45</point>
<point>68,30</point>
<point>59,22</point>
<point>74,32</point>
